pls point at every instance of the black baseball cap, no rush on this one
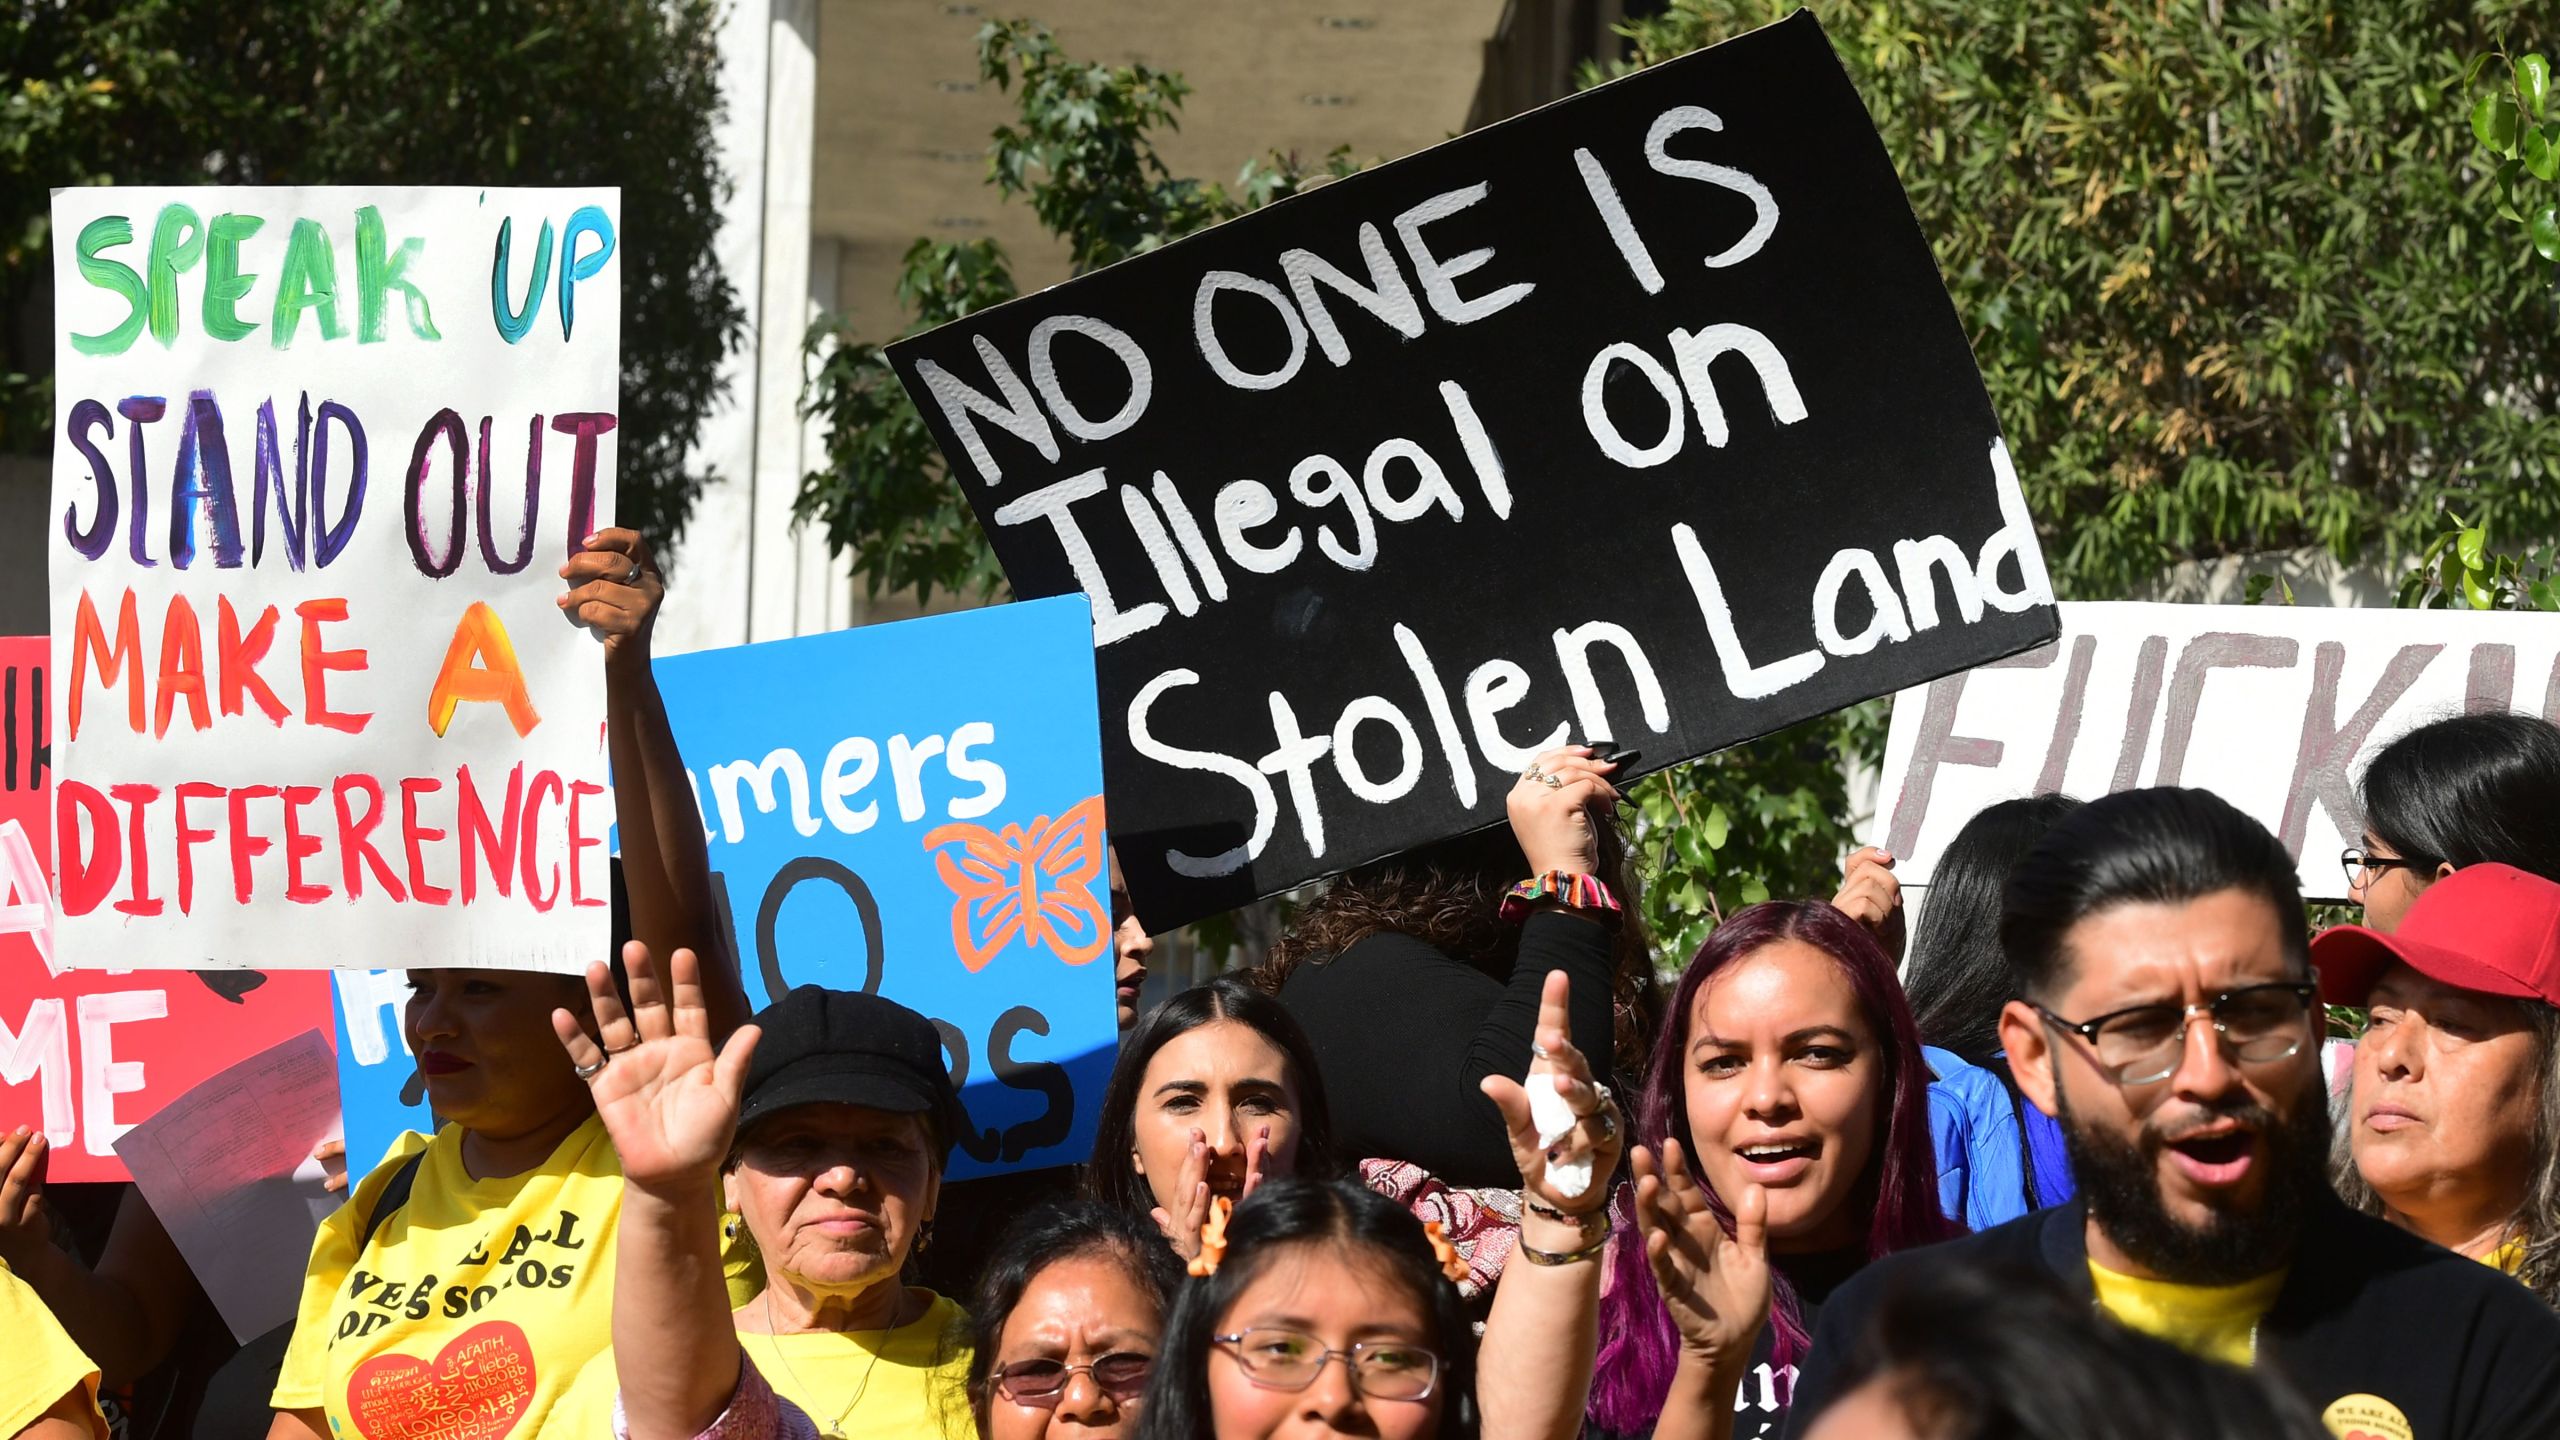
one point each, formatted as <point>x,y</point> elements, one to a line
<point>842,1047</point>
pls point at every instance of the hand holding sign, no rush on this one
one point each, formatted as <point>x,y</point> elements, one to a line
<point>1871,896</point>
<point>1553,805</point>
<point>615,589</point>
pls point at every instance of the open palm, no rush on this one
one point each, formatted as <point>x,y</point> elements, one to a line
<point>1716,1286</point>
<point>669,1101</point>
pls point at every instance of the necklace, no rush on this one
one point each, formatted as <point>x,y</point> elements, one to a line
<point>833,1429</point>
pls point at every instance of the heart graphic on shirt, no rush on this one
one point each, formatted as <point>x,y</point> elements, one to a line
<point>476,1388</point>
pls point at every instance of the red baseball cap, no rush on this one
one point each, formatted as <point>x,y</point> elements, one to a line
<point>2490,928</point>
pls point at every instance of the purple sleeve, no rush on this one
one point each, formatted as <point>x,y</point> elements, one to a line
<point>755,1412</point>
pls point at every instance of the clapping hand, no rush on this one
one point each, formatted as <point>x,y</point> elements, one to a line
<point>1717,1286</point>
<point>668,1100</point>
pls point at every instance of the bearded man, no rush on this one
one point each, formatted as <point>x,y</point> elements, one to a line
<point>2167,1016</point>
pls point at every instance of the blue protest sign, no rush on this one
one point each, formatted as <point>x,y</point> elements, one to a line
<point>915,810</point>
<point>379,1091</point>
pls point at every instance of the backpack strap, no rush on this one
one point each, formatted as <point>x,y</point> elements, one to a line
<point>394,1195</point>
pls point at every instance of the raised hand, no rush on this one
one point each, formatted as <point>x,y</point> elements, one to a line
<point>23,1222</point>
<point>1587,1150</point>
<point>1181,1223</point>
<point>1717,1286</point>
<point>669,1102</point>
<point>1554,821</point>
<point>614,590</point>
<point>1870,895</point>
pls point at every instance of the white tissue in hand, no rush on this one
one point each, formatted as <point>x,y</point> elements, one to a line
<point>1555,1120</point>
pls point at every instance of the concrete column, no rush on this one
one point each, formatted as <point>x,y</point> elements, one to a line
<point>708,606</point>
<point>782,318</point>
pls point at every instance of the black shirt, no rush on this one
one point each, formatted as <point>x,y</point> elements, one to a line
<point>1403,1033</point>
<point>2462,1351</point>
<point>1761,1401</point>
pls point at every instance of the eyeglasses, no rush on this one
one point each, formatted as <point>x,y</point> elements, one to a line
<point>1287,1360</point>
<point>2256,1024</point>
<point>1043,1382</point>
<point>2363,867</point>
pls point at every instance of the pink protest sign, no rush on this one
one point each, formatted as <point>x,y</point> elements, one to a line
<point>85,1055</point>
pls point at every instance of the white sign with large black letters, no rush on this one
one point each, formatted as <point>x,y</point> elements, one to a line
<point>2274,708</point>
<point>1643,417</point>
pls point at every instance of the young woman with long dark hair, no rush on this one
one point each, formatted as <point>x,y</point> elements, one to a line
<point>1215,1091</point>
<point>1783,1133</point>
<point>2468,790</point>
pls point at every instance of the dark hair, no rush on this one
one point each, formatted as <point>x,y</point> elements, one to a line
<point>1974,1353</point>
<point>1061,1230</point>
<point>2470,790</point>
<point>1957,978</point>
<point>2163,845</point>
<point>1284,1215</point>
<point>1448,895</point>
<point>1899,1190</point>
<point>1108,1176</point>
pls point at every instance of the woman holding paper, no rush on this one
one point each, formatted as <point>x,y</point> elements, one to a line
<point>472,1273</point>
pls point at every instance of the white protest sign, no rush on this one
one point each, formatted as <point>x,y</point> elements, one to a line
<point>2274,708</point>
<point>319,454</point>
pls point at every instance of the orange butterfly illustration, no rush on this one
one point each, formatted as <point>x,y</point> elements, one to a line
<point>1033,883</point>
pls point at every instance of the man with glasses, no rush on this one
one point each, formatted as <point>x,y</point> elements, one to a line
<point>2168,1019</point>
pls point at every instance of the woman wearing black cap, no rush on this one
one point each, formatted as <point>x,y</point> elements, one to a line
<point>822,1129</point>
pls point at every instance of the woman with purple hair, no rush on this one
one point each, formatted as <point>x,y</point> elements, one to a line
<point>1783,1143</point>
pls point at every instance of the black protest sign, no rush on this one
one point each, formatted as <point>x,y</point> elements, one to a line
<point>1644,417</point>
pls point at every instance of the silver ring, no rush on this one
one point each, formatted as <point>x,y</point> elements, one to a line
<point>1540,1052</point>
<point>1550,782</point>
<point>1532,773</point>
<point>610,1052</point>
<point>634,577</point>
<point>590,1072</point>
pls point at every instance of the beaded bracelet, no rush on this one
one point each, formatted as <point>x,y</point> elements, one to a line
<point>1583,1222</point>
<point>1562,887</point>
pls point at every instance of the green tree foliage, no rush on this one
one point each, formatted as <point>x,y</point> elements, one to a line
<point>297,92</point>
<point>1082,152</point>
<point>2227,267</point>
<point>2236,282</point>
<point>2515,119</point>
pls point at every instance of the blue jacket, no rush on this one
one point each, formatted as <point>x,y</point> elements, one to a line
<point>1987,1142</point>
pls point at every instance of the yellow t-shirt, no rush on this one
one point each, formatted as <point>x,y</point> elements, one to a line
<point>2508,1257</point>
<point>473,1306</point>
<point>39,1364</point>
<point>2219,1322</point>
<point>906,1382</point>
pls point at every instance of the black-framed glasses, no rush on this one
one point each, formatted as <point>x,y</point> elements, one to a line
<point>1043,1382</point>
<point>2363,867</point>
<point>2256,1024</point>
<point>1277,1359</point>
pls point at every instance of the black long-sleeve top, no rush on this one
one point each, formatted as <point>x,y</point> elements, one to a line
<point>1403,1034</point>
